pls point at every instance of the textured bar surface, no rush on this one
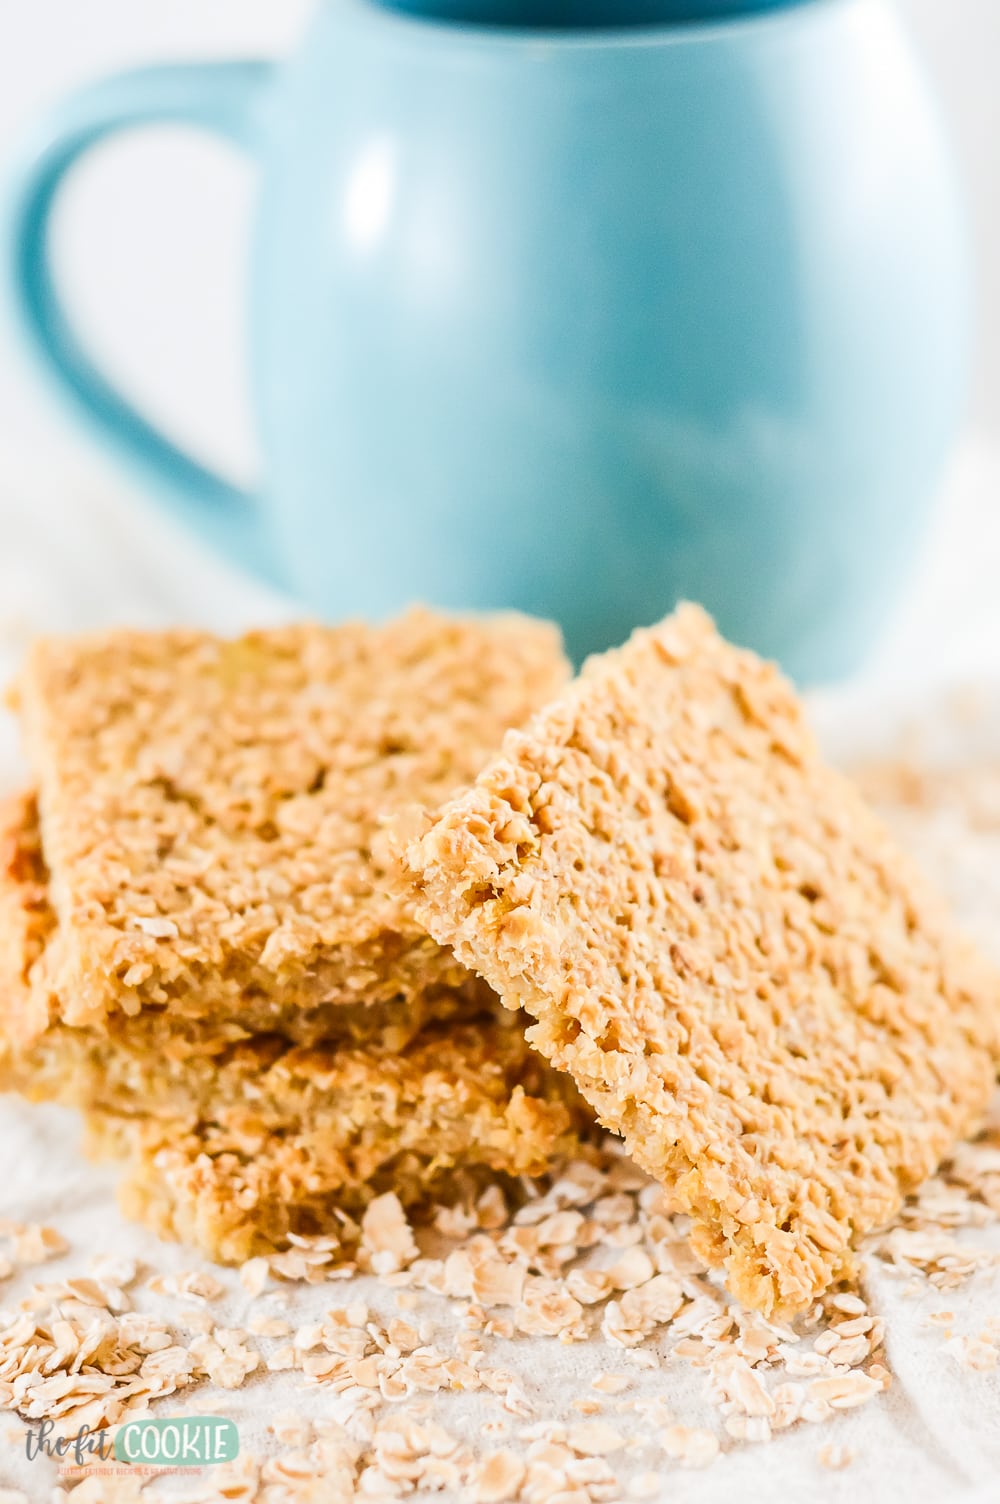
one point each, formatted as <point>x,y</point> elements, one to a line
<point>212,811</point>
<point>723,947</point>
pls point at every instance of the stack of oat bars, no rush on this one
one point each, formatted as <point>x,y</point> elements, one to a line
<point>217,909</point>
<point>196,944</point>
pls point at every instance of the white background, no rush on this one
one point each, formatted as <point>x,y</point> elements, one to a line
<point>152,233</point>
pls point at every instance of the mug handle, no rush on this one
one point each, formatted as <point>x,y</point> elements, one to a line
<point>221,97</point>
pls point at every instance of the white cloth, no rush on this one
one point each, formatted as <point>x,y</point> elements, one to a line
<point>75,555</point>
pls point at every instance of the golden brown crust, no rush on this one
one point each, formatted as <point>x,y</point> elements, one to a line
<point>723,947</point>
<point>295,1142</point>
<point>211,811</point>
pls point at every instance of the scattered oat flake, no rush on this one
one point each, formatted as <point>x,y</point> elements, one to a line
<point>497,1478</point>
<point>594,1438</point>
<point>497,1283</point>
<point>386,1235</point>
<point>225,1357</point>
<point>546,1309</point>
<point>112,1269</point>
<point>516,1401</point>
<point>588,1286</point>
<point>34,1243</point>
<point>190,1284</point>
<point>634,1268</point>
<point>691,1445</point>
<point>644,1486</point>
<point>834,1457</point>
<point>254,1274</point>
<point>262,1325</point>
<point>845,1391</point>
<point>851,1305</point>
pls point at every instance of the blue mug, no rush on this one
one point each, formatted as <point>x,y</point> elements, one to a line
<point>575,306</point>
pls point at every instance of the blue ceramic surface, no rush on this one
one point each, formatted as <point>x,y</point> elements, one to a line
<point>576,319</point>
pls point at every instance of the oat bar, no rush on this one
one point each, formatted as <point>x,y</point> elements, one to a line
<point>297,1143</point>
<point>157,1056</point>
<point>724,948</point>
<point>211,811</point>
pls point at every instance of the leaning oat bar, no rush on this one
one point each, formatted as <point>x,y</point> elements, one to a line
<point>723,947</point>
<point>211,811</point>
